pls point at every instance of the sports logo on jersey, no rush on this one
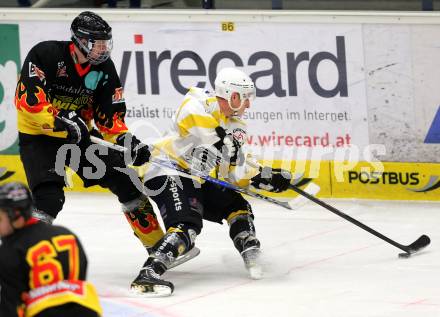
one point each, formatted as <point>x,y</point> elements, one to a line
<point>118,97</point>
<point>61,71</point>
<point>34,71</point>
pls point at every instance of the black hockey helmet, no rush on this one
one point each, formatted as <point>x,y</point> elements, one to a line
<point>93,36</point>
<point>16,200</point>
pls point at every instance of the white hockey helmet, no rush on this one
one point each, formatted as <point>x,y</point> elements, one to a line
<point>230,80</point>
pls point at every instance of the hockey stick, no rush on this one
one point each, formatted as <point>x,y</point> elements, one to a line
<point>193,172</point>
<point>196,173</point>
<point>295,203</point>
<point>300,200</point>
<point>410,249</point>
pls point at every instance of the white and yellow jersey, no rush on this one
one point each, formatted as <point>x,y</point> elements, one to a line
<point>194,126</point>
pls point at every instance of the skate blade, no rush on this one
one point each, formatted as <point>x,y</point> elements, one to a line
<point>151,291</point>
<point>255,272</point>
<point>252,260</point>
<point>185,257</point>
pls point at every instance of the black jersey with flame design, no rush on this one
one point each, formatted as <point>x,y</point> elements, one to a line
<point>51,80</point>
<point>43,267</point>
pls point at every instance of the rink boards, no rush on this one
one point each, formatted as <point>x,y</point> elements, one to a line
<point>366,180</point>
<point>331,87</point>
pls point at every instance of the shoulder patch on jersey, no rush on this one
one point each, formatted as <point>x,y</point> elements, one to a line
<point>61,71</point>
<point>34,71</point>
<point>239,134</point>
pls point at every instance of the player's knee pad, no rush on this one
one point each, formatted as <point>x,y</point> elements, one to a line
<point>175,242</point>
<point>240,221</point>
<point>142,219</point>
<point>49,198</point>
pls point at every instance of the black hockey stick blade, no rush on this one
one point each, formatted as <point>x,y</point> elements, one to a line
<point>421,243</point>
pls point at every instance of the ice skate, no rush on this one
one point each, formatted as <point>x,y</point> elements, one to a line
<point>185,257</point>
<point>249,248</point>
<point>251,259</point>
<point>149,283</point>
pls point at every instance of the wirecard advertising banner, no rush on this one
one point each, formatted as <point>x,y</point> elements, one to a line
<point>311,92</point>
<point>328,95</point>
<point>324,91</point>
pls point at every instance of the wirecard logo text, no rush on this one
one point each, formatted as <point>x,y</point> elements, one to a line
<point>294,63</point>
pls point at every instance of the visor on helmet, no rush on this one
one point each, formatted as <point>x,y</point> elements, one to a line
<point>248,94</point>
<point>96,51</point>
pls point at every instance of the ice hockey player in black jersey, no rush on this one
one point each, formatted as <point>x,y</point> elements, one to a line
<point>42,267</point>
<point>65,89</point>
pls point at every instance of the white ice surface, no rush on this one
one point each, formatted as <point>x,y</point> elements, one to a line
<point>316,263</point>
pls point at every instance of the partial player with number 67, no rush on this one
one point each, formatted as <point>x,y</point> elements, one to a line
<point>42,267</point>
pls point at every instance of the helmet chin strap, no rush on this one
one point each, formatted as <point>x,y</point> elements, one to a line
<point>235,110</point>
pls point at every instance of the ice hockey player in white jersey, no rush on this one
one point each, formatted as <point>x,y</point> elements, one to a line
<point>207,135</point>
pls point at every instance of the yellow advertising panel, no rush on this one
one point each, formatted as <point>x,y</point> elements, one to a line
<point>386,180</point>
<point>365,180</point>
<point>11,170</point>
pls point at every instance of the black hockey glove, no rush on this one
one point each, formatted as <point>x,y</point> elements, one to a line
<point>140,154</point>
<point>273,180</point>
<point>229,147</point>
<point>94,132</point>
<point>75,126</point>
